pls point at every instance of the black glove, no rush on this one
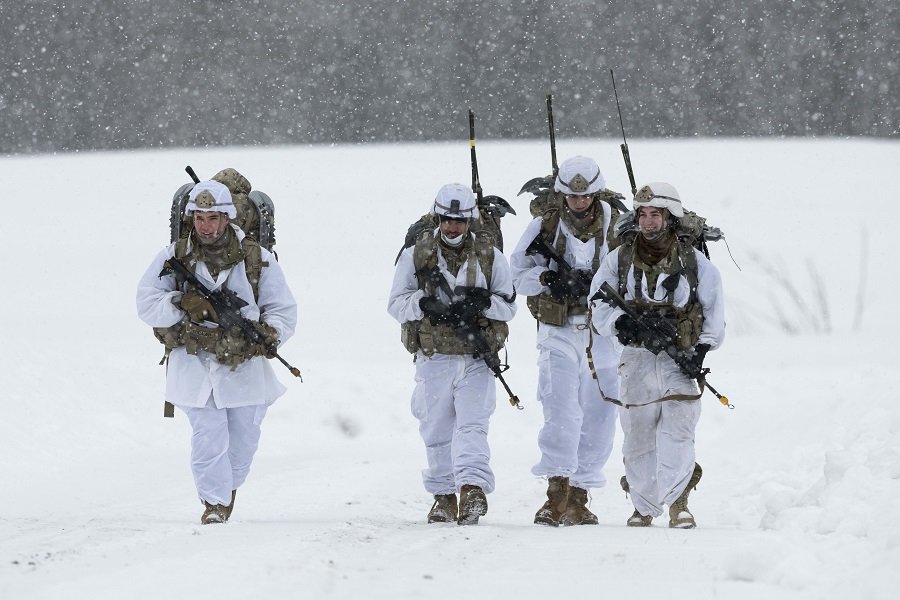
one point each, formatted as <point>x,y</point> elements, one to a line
<point>559,288</point>
<point>435,310</point>
<point>626,330</point>
<point>582,284</point>
<point>693,365</point>
<point>436,278</point>
<point>479,298</point>
<point>575,284</point>
<point>475,302</point>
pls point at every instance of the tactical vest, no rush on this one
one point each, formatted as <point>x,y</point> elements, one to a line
<point>687,319</point>
<point>423,335</point>
<point>544,307</point>
<point>195,337</point>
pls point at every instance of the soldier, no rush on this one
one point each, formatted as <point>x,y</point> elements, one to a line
<point>447,287</point>
<point>221,381</point>
<point>579,427</point>
<point>665,278</point>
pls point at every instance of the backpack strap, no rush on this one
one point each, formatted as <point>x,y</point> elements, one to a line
<point>626,256</point>
<point>253,263</point>
<point>484,251</point>
<point>689,266</point>
<point>181,247</point>
<point>424,258</point>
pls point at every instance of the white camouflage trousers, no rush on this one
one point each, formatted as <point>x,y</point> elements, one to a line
<point>579,426</point>
<point>658,452</point>
<point>454,399</point>
<point>658,449</point>
<point>223,443</point>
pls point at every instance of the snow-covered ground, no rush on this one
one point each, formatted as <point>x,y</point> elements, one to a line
<point>96,496</point>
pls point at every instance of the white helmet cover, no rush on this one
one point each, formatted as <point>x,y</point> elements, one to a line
<point>454,200</point>
<point>579,176</point>
<point>210,196</point>
<point>659,195</point>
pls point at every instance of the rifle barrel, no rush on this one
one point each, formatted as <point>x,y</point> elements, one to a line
<point>552,126</point>
<point>476,181</point>
<point>626,155</point>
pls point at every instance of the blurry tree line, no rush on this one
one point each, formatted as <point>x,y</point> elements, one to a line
<point>101,74</point>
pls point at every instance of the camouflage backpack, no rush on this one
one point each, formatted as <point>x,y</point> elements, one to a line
<point>255,217</point>
<point>255,209</point>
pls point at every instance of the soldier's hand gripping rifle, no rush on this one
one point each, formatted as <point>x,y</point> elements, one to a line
<point>471,331</point>
<point>576,281</point>
<point>228,307</point>
<point>660,335</point>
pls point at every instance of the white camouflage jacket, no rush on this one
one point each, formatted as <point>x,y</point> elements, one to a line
<point>191,378</point>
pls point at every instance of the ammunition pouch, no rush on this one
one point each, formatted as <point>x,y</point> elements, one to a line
<point>689,323</point>
<point>547,309</point>
<point>422,335</point>
<point>232,348</point>
<point>196,338</point>
<point>170,337</point>
<point>409,335</point>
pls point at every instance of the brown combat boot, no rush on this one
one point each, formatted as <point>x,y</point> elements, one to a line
<point>230,507</point>
<point>557,501</point>
<point>680,516</point>
<point>214,513</point>
<point>472,504</point>
<point>639,520</point>
<point>577,512</point>
<point>444,509</point>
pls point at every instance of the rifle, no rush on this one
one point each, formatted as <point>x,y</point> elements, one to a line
<point>624,146</point>
<point>493,205</point>
<point>228,306</point>
<point>540,246</point>
<point>472,332</point>
<point>538,185</point>
<point>661,332</point>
